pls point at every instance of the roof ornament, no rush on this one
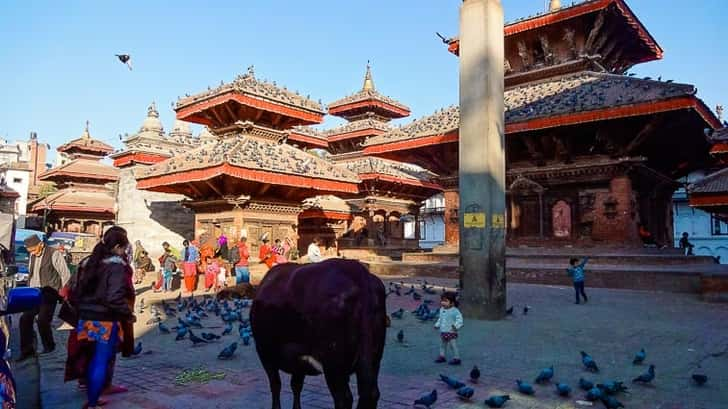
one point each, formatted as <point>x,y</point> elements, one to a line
<point>554,5</point>
<point>251,71</point>
<point>152,110</point>
<point>368,81</point>
<point>86,134</point>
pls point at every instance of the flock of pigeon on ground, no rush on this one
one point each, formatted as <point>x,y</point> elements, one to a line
<point>606,392</point>
<point>190,312</point>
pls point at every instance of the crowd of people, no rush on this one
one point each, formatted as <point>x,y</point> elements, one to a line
<point>97,301</point>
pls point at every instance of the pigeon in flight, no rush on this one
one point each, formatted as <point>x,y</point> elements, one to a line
<point>125,59</point>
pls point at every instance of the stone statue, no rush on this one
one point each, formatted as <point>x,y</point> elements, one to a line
<point>561,219</point>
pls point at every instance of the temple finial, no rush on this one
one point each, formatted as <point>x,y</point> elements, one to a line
<point>368,81</point>
<point>86,134</point>
<point>152,110</point>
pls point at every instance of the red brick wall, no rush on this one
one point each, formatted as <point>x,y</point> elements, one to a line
<point>616,223</point>
<point>452,229</point>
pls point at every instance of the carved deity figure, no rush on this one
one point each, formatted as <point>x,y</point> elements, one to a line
<point>561,219</point>
<point>524,53</point>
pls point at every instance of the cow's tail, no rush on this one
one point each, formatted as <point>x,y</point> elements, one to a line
<point>305,362</point>
<point>312,365</point>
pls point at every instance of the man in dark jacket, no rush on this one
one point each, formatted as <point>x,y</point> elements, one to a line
<point>49,272</point>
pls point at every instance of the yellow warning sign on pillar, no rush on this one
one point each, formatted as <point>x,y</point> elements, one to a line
<point>474,220</point>
<point>499,221</point>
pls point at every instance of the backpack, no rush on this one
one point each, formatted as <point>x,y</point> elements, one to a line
<point>234,256</point>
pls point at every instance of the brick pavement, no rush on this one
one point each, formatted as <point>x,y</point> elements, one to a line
<point>678,332</point>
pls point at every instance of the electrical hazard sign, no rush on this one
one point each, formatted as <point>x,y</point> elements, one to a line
<point>474,220</point>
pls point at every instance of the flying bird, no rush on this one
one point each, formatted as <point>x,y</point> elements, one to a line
<point>428,399</point>
<point>125,59</point>
<point>497,401</point>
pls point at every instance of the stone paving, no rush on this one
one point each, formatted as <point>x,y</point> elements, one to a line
<point>679,332</point>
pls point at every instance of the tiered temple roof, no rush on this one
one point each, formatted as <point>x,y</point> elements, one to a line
<point>368,101</point>
<point>81,199</point>
<point>391,177</point>
<point>326,207</point>
<point>590,34</point>
<point>86,146</point>
<point>248,98</point>
<point>81,170</point>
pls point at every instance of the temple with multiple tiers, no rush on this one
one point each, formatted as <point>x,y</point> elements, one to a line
<point>592,152</point>
<point>85,200</point>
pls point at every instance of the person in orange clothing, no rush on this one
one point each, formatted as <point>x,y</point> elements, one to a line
<point>206,250</point>
<point>266,254</point>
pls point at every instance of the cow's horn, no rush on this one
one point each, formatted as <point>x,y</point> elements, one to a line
<point>315,365</point>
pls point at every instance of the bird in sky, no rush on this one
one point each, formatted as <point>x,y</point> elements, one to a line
<point>125,59</point>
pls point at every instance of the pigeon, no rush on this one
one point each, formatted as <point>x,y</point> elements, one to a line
<point>209,336</point>
<point>141,305</point>
<point>585,385</point>
<point>416,296</point>
<point>699,379</point>
<point>228,351</point>
<point>181,333</point>
<point>524,387</point>
<point>398,314</point>
<point>451,382</point>
<point>474,374</point>
<point>154,320</point>
<point>125,59</point>
<point>545,375</point>
<point>428,399</point>
<point>137,348</point>
<point>497,401</point>
<point>228,329</point>
<point>613,387</point>
<point>563,389</point>
<point>196,340</point>
<point>639,357</point>
<point>610,402</point>
<point>589,362</point>
<point>593,394</point>
<point>400,336</point>
<point>246,339</point>
<point>646,377</point>
<point>465,392</point>
<point>525,310</point>
<point>163,328</point>
<point>509,311</point>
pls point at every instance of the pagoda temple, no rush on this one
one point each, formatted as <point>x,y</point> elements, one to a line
<point>592,152</point>
<point>152,217</point>
<point>244,179</point>
<point>84,201</point>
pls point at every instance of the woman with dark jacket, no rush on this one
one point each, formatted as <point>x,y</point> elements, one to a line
<point>103,293</point>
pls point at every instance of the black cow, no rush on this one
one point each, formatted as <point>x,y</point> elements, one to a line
<point>327,317</point>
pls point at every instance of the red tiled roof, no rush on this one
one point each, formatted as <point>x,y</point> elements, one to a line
<point>251,158</point>
<point>86,144</point>
<point>80,200</point>
<point>82,168</point>
<point>384,169</point>
<point>566,100</point>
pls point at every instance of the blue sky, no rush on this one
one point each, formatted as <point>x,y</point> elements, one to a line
<point>57,64</point>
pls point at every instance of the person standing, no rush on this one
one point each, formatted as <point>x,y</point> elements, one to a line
<point>169,267</point>
<point>105,294</point>
<point>222,247</point>
<point>314,251</point>
<point>242,272</point>
<point>576,272</point>
<point>48,272</point>
<point>265,254</point>
<point>686,245</point>
<point>189,265</point>
<point>449,322</point>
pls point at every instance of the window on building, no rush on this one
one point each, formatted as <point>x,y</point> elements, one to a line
<point>17,180</point>
<point>423,235</point>
<point>718,227</point>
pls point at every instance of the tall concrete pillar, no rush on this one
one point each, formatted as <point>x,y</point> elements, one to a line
<point>482,160</point>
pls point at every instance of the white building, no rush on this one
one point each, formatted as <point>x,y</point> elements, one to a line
<point>16,176</point>
<point>432,222</point>
<point>708,234</point>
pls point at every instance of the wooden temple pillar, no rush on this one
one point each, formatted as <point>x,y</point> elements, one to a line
<point>452,229</point>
